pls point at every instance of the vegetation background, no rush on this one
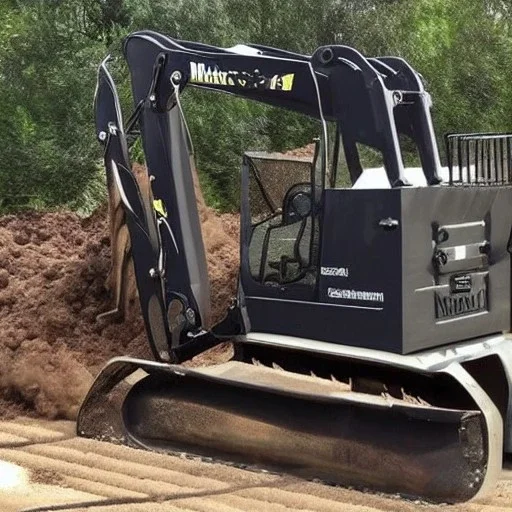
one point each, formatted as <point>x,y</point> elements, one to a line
<point>50,49</point>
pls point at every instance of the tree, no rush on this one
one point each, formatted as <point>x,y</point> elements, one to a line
<point>50,49</point>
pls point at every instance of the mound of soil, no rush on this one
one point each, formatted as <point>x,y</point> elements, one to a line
<point>53,268</point>
<point>307,151</point>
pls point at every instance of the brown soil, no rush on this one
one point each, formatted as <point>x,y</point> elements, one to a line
<point>304,152</point>
<point>47,476</point>
<point>53,268</point>
<point>221,242</point>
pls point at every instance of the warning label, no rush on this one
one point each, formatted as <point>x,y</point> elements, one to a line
<point>334,271</point>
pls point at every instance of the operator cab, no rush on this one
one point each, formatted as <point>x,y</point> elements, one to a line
<point>366,264</point>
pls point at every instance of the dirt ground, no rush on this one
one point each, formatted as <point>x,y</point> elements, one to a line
<point>45,467</point>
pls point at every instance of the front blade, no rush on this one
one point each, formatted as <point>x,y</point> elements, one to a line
<point>306,426</point>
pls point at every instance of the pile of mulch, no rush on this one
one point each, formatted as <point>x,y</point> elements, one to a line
<point>53,268</point>
<point>303,152</point>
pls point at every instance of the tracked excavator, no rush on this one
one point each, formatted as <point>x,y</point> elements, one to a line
<point>370,323</point>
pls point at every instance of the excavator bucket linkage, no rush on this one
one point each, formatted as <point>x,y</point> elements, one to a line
<point>369,319</point>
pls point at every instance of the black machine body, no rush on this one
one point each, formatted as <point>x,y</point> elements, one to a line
<point>393,267</point>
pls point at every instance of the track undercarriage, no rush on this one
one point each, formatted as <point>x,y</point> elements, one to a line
<point>361,431</point>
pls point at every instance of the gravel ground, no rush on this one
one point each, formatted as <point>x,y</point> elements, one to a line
<point>43,466</point>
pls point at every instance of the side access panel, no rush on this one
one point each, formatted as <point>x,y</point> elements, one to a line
<point>361,267</point>
<point>456,264</point>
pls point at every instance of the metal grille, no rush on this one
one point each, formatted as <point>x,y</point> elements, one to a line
<point>479,158</point>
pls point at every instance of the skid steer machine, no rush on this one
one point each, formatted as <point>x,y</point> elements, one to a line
<point>370,320</point>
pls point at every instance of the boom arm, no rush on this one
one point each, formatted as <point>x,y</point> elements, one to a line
<point>372,100</point>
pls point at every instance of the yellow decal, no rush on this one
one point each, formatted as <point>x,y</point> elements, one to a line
<point>208,75</point>
<point>287,82</point>
<point>159,207</point>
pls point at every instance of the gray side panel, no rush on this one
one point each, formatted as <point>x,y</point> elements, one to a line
<point>461,209</point>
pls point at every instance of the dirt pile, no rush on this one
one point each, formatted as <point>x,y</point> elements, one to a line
<point>307,151</point>
<point>53,268</point>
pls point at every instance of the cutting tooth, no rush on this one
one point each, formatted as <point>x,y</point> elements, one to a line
<point>408,398</point>
<point>276,367</point>
<point>255,362</point>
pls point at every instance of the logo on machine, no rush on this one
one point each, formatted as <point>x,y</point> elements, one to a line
<point>334,271</point>
<point>449,306</point>
<point>200,73</point>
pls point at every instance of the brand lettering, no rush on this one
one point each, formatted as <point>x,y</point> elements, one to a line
<point>452,306</point>
<point>337,293</point>
<point>213,75</point>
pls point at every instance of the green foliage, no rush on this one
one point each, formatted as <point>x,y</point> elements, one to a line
<point>50,49</point>
<point>462,49</point>
<point>47,68</point>
<point>221,131</point>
